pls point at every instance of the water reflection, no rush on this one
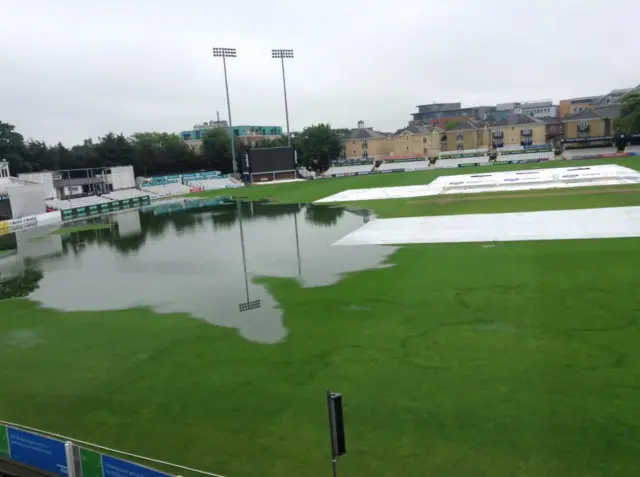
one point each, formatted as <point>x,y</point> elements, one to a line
<point>197,257</point>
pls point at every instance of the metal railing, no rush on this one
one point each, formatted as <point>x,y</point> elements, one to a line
<point>71,443</point>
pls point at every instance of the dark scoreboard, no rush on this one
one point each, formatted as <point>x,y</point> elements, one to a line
<point>271,159</point>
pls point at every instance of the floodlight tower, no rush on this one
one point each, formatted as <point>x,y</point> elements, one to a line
<point>225,53</point>
<point>282,54</point>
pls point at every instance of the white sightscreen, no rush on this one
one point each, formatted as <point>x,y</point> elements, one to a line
<point>27,200</point>
<point>122,178</point>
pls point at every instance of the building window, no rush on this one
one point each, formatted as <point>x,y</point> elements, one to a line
<point>236,132</point>
<point>460,146</point>
<point>407,148</point>
<point>354,152</point>
<point>552,129</point>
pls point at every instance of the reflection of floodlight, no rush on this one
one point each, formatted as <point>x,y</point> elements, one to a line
<point>250,305</point>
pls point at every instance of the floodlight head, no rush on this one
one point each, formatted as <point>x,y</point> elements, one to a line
<point>280,53</point>
<point>224,52</point>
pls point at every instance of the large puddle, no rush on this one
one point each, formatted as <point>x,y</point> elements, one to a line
<point>191,256</point>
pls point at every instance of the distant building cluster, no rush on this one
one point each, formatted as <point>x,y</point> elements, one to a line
<point>248,134</point>
<point>440,127</point>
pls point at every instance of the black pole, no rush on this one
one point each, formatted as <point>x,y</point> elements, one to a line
<point>332,433</point>
<point>69,191</point>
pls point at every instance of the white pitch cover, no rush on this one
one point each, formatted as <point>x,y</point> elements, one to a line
<point>509,181</point>
<point>521,226</point>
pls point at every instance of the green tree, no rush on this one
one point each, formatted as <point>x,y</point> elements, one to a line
<point>279,141</point>
<point>318,145</point>
<point>12,148</point>
<point>163,153</point>
<point>629,119</point>
<point>216,150</point>
<point>452,124</point>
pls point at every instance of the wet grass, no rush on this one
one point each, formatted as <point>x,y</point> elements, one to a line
<point>461,359</point>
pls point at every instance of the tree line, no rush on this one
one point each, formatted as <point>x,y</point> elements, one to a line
<point>629,119</point>
<point>153,153</point>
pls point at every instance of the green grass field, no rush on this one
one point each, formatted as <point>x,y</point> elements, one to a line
<point>515,359</point>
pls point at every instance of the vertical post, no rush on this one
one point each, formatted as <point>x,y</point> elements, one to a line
<point>233,139</point>
<point>332,433</point>
<point>69,187</point>
<point>286,105</point>
<point>71,461</point>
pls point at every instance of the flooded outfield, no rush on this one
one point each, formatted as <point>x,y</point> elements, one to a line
<point>197,257</point>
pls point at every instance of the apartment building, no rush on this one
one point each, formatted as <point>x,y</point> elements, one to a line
<point>518,130</point>
<point>247,134</point>
<point>590,127</point>
<point>441,114</point>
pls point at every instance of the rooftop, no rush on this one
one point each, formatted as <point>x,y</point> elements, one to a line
<point>468,125</point>
<point>416,129</point>
<point>535,104</point>
<point>363,133</point>
<point>516,119</point>
<point>612,111</point>
<point>8,183</point>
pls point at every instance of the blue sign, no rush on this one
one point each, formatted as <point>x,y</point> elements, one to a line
<point>112,467</point>
<point>36,450</point>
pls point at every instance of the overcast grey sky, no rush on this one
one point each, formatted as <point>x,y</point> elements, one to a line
<point>71,69</point>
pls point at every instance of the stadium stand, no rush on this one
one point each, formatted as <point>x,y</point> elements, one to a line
<point>166,190</point>
<point>212,184</point>
<point>526,155</point>
<point>632,149</point>
<point>446,163</point>
<point>595,151</point>
<point>406,166</point>
<point>448,159</point>
<point>64,204</point>
<point>342,170</point>
<point>125,194</point>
